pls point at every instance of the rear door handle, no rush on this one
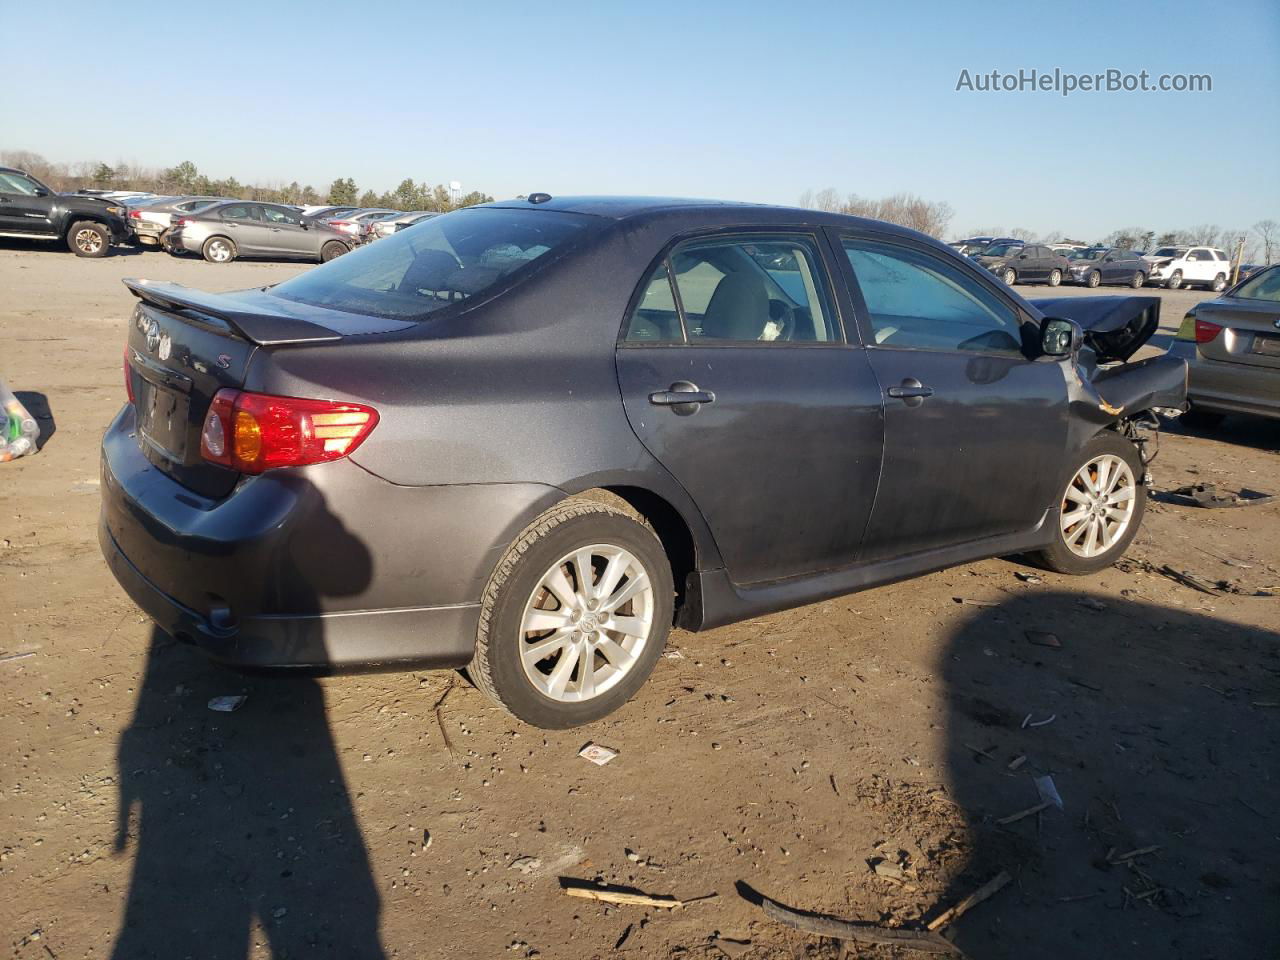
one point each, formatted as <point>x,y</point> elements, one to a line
<point>911,390</point>
<point>683,398</point>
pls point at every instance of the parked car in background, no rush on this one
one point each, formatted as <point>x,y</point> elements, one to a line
<point>974,246</point>
<point>356,224</point>
<point>1066,249</point>
<point>151,221</point>
<point>32,211</point>
<point>1025,263</point>
<point>1095,266</point>
<point>1232,348</point>
<point>242,228</point>
<point>383,228</point>
<point>1182,266</point>
<point>368,473</point>
<point>1247,270</point>
<point>323,213</point>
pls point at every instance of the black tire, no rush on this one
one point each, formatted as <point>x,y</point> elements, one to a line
<point>1175,281</point>
<point>1093,279</point>
<point>1201,419</point>
<point>332,250</point>
<point>1058,556</point>
<point>87,238</point>
<point>1138,280</point>
<point>1055,277</point>
<point>219,250</point>
<point>1219,283</point>
<point>496,666</point>
<point>1009,276</point>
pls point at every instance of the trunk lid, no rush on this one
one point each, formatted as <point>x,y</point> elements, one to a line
<point>1250,334</point>
<point>185,345</point>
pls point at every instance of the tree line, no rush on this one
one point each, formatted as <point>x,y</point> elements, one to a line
<point>186,179</point>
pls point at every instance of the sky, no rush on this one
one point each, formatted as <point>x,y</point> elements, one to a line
<point>735,100</point>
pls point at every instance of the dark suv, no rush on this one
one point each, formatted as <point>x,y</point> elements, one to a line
<point>527,437</point>
<point>30,210</point>
<point>1025,263</point>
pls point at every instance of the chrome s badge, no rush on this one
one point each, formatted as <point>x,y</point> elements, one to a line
<point>153,336</point>
<point>224,360</point>
<point>166,347</point>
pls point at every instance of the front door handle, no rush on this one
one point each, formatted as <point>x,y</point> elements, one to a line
<point>684,398</point>
<point>911,391</point>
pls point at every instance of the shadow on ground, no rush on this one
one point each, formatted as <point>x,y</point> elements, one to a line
<point>1160,737</point>
<point>37,404</point>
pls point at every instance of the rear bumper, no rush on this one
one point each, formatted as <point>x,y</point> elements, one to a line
<point>1229,387</point>
<point>313,567</point>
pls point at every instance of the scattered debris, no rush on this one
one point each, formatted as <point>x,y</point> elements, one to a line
<point>976,603</point>
<point>893,872</point>
<point>1207,495</point>
<point>823,926</point>
<point>597,754</point>
<point>1017,761</point>
<point>437,710</point>
<point>1132,854</point>
<point>1084,683</point>
<point>730,946</point>
<point>672,654</point>
<point>1092,603</point>
<point>980,752</point>
<point>19,432</point>
<point>1191,580</point>
<point>1048,791</point>
<point>525,865</point>
<point>984,892</point>
<point>1042,639</point>
<point>226,704</point>
<point>426,840</point>
<point>1028,577</point>
<point>625,895</point>
<point>1022,814</point>
<point>22,656</point>
<point>1028,722</point>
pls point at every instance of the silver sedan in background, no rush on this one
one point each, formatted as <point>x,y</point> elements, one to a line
<point>244,228</point>
<point>151,219</point>
<point>384,228</point>
<point>1232,348</point>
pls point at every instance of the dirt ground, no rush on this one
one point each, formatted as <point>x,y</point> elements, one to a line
<point>402,815</point>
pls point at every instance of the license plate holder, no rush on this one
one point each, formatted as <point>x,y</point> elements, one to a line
<point>1266,346</point>
<point>163,419</point>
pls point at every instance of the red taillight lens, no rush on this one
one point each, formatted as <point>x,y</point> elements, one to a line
<point>253,432</point>
<point>135,214</point>
<point>182,221</point>
<point>128,375</point>
<point>1206,331</point>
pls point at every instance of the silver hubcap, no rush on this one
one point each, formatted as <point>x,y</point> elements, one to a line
<point>89,241</point>
<point>587,622</point>
<point>219,251</point>
<point>1098,506</point>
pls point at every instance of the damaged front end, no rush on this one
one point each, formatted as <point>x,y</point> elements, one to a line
<point>1105,386</point>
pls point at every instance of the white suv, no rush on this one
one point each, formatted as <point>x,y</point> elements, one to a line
<point>1178,266</point>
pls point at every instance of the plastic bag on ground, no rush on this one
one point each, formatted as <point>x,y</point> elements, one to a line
<point>18,428</point>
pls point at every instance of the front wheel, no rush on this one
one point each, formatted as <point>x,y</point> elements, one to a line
<point>1138,280</point>
<point>89,239</point>
<point>332,250</point>
<point>1009,277</point>
<point>574,616</point>
<point>219,250</point>
<point>1055,277</point>
<point>1093,279</point>
<point>1175,281</point>
<point>1100,508</point>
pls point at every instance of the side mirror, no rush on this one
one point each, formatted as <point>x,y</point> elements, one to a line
<point>41,192</point>
<point>1060,338</point>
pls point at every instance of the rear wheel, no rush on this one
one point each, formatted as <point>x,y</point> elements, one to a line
<point>1219,283</point>
<point>1055,277</point>
<point>332,250</point>
<point>1138,280</point>
<point>1175,281</point>
<point>89,239</point>
<point>1100,508</point>
<point>575,615</point>
<point>219,250</point>
<point>1093,279</point>
<point>1008,276</point>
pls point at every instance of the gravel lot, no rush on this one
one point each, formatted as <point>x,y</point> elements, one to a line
<point>402,815</point>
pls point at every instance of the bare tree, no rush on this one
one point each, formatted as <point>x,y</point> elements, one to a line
<point>1208,234</point>
<point>905,209</point>
<point>1268,232</point>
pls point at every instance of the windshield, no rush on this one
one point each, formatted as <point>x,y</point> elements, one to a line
<point>1002,250</point>
<point>1263,286</point>
<point>434,264</point>
<point>1086,254</point>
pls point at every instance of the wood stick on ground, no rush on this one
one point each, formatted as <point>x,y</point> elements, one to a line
<point>1030,811</point>
<point>987,890</point>
<point>1140,852</point>
<point>629,897</point>
<point>821,926</point>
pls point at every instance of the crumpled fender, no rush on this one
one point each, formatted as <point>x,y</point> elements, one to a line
<point>1128,389</point>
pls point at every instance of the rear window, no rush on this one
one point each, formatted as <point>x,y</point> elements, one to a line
<point>443,261</point>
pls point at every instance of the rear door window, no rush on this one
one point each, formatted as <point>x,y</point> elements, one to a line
<point>655,318</point>
<point>240,211</point>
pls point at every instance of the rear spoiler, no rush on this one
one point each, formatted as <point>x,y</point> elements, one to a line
<point>262,326</point>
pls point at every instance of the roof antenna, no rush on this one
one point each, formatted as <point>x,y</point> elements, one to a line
<point>539,197</point>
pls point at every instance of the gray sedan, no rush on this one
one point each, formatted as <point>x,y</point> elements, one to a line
<point>242,228</point>
<point>1232,348</point>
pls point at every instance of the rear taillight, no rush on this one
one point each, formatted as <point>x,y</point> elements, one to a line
<point>128,375</point>
<point>182,221</point>
<point>253,432</point>
<point>1206,331</point>
<point>135,214</point>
